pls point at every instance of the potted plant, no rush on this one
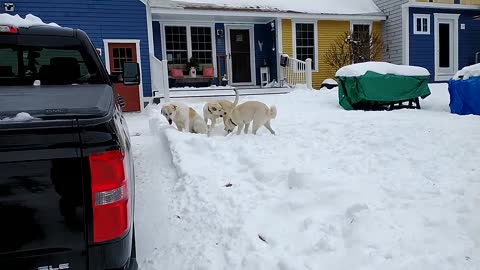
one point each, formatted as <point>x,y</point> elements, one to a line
<point>192,67</point>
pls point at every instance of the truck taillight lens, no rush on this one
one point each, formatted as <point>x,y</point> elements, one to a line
<point>109,196</point>
<point>8,29</point>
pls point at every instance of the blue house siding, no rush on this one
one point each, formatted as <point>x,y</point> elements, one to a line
<point>264,34</point>
<point>106,19</point>
<point>220,49</point>
<point>422,47</point>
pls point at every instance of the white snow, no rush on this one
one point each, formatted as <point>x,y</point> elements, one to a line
<point>20,117</point>
<point>360,69</point>
<point>330,81</point>
<point>304,6</point>
<point>334,189</point>
<point>17,21</point>
<point>468,72</point>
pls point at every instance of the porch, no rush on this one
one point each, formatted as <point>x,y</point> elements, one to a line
<point>226,52</point>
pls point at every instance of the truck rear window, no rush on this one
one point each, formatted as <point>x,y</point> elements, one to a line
<point>43,65</point>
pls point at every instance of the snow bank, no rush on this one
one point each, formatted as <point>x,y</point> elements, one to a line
<point>360,69</point>
<point>467,72</point>
<point>17,21</point>
<point>306,6</point>
<point>20,117</point>
<point>333,190</point>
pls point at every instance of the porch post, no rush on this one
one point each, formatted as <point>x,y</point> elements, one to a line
<point>309,73</point>
<point>166,86</point>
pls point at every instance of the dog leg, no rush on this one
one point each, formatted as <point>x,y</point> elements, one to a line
<point>255,127</point>
<point>269,127</point>
<point>247,126</point>
<point>240,128</point>
<point>214,121</point>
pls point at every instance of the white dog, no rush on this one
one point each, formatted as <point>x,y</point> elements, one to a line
<point>250,111</point>
<point>218,109</point>
<point>184,117</point>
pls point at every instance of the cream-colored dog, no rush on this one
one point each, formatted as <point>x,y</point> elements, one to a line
<point>248,112</point>
<point>219,109</point>
<point>184,117</point>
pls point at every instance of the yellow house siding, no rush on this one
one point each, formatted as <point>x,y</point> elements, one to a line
<point>328,32</point>
<point>377,29</point>
<point>287,42</point>
<point>470,2</point>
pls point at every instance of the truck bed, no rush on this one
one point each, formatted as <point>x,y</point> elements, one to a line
<point>82,102</point>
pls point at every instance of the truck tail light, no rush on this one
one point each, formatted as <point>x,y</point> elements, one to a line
<point>109,196</point>
<point>8,29</point>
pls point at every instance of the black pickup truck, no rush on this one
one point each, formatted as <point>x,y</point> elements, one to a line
<point>66,170</point>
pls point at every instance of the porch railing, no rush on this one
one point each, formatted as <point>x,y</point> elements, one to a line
<point>160,78</point>
<point>295,71</point>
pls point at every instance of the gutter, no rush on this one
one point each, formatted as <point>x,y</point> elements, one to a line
<point>265,13</point>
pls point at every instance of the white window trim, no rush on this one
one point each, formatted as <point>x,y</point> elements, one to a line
<point>369,23</point>
<point>421,16</point>
<point>315,36</point>
<point>189,39</point>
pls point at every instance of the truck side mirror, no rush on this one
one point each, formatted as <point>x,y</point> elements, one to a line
<point>131,73</point>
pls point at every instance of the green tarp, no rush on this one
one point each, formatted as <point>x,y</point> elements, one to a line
<point>374,90</point>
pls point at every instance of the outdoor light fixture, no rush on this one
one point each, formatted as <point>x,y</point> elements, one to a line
<point>9,7</point>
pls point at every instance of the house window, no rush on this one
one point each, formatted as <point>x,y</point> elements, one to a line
<point>176,43</point>
<point>421,24</point>
<point>361,43</point>
<point>305,42</point>
<point>185,42</point>
<point>120,56</point>
<point>202,44</point>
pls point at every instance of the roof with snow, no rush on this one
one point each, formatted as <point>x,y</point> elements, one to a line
<point>337,7</point>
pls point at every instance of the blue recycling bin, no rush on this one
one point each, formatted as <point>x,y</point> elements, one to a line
<point>465,96</point>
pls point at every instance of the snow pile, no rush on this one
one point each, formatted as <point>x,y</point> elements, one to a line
<point>468,72</point>
<point>17,21</point>
<point>360,69</point>
<point>304,6</point>
<point>20,117</point>
<point>333,190</point>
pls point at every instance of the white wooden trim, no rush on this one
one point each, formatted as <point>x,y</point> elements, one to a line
<point>355,22</point>
<point>251,29</point>
<point>315,32</point>
<point>442,6</point>
<point>286,15</point>
<point>421,16</point>
<point>279,37</point>
<point>139,61</point>
<point>406,34</point>
<point>188,25</point>
<point>454,51</point>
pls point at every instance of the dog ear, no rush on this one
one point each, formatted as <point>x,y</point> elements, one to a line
<point>175,107</point>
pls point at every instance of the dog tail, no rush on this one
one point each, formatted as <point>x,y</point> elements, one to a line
<point>273,112</point>
<point>237,97</point>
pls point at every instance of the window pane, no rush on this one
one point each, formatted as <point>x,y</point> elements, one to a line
<point>419,25</point>
<point>425,25</point>
<point>202,44</point>
<point>305,41</point>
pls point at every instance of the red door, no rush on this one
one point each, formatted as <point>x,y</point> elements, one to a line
<point>120,53</point>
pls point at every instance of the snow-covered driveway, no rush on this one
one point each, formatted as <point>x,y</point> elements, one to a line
<point>334,189</point>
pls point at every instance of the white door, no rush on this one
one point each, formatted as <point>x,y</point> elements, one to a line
<point>446,47</point>
<point>241,55</point>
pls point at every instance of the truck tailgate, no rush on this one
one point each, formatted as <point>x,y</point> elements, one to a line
<point>42,203</point>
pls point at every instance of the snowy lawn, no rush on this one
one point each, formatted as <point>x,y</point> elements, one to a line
<point>334,189</point>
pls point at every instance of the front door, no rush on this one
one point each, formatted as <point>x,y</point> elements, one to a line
<point>445,50</point>
<point>240,54</point>
<point>120,53</point>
